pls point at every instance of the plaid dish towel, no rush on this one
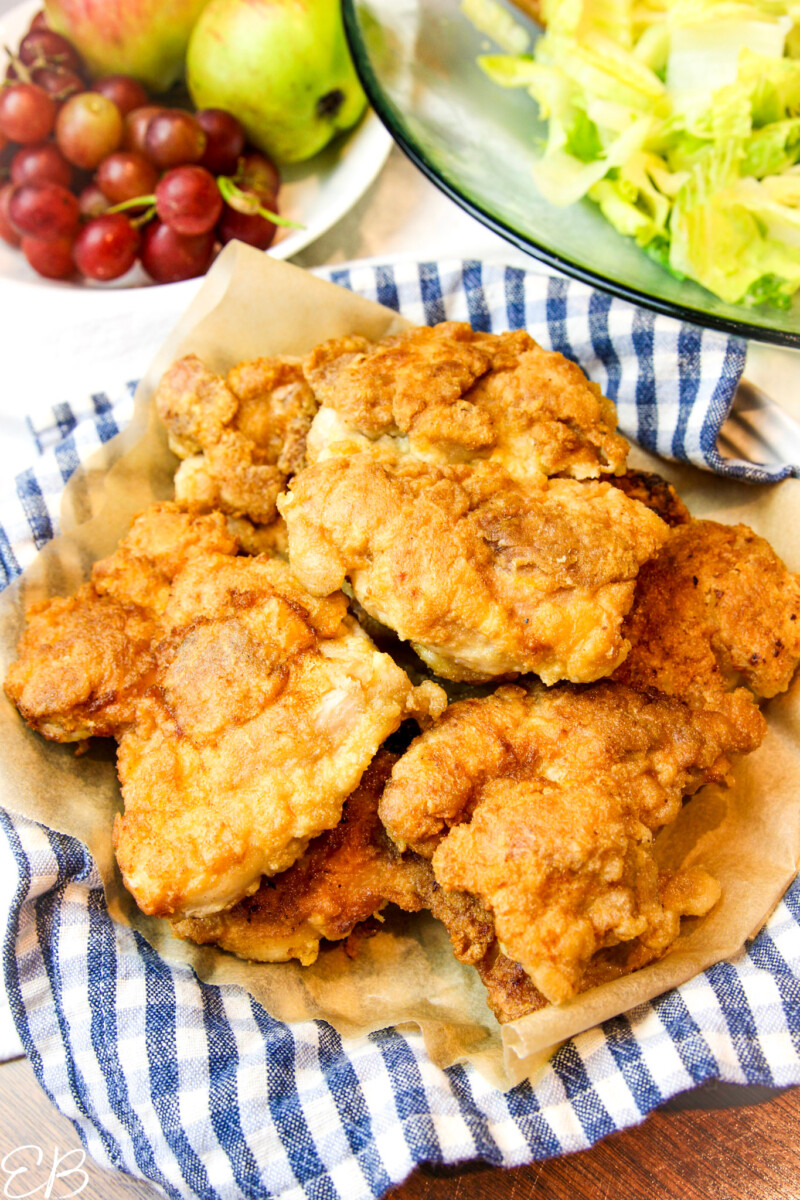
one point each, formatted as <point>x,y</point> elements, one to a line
<point>196,1087</point>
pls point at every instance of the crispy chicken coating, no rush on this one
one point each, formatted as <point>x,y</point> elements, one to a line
<point>510,992</point>
<point>715,609</point>
<point>344,880</point>
<point>448,394</point>
<point>240,437</point>
<point>655,493</point>
<point>483,576</point>
<point>346,876</point>
<point>246,710</point>
<point>543,805</point>
<point>266,707</point>
<point>85,659</point>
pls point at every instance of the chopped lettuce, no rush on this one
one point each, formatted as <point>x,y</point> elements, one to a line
<point>680,119</point>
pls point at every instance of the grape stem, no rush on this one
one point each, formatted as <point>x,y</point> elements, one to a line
<point>143,218</point>
<point>136,202</point>
<point>23,73</point>
<point>248,203</point>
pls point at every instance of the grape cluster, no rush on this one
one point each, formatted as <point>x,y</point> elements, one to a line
<point>97,175</point>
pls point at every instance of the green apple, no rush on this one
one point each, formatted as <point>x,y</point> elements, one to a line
<point>143,38</point>
<point>282,67</point>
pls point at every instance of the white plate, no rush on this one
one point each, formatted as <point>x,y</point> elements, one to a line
<point>316,194</point>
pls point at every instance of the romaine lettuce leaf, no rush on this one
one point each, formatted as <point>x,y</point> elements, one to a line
<point>681,120</point>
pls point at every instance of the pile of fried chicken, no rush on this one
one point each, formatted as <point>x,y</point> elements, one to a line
<point>586,656</point>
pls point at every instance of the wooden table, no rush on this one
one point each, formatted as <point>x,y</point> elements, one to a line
<point>706,1145</point>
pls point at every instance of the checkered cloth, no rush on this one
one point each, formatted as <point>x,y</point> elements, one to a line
<point>196,1087</point>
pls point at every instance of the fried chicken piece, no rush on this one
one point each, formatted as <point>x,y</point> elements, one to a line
<point>543,805</point>
<point>510,993</point>
<point>266,707</point>
<point>483,576</point>
<point>241,437</point>
<point>715,609</point>
<point>84,659</point>
<point>346,876</point>
<point>652,749</point>
<point>195,406</point>
<point>566,872</point>
<point>449,395</point>
<point>655,493</point>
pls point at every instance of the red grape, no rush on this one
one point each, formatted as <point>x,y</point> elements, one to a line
<point>128,94</point>
<point>44,47</point>
<point>126,175</point>
<point>258,178</point>
<point>39,21</point>
<point>88,129</point>
<point>40,163</point>
<point>168,256</point>
<point>188,200</point>
<point>245,227</point>
<point>44,211</point>
<point>92,202</point>
<point>58,83</point>
<point>173,138</point>
<point>257,173</point>
<point>136,123</point>
<point>224,140</point>
<point>7,231</point>
<point>51,259</point>
<point>27,113</point>
<point>106,247</point>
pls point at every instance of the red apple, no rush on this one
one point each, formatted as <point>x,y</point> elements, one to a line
<point>143,38</point>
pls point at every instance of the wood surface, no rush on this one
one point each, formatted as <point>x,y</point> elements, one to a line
<point>748,1152</point>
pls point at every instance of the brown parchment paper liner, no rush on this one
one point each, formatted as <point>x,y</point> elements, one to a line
<point>748,836</point>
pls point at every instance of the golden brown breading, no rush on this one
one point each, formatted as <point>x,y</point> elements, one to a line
<point>543,805</point>
<point>260,539</point>
<point>655,493</point>
<point>483,576</point>
<point>85,659</point>
<point>231,476</point>
<point>195,405</point>
<point>510,993</point>
<point>161,541</point>
<point>275,408</point>
<point>246,709</point>
<point>653,750</point>
<point>347,875</point>
<point>447,394</point>
<point>241,437</point>
<point>265,709</point>
<point>81,664</point>
<point>566,872</point>
<point>714,609</point>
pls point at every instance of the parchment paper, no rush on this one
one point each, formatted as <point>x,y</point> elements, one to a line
<point>748,836</point>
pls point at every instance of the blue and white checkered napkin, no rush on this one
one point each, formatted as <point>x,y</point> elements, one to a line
<point>196,1087</point>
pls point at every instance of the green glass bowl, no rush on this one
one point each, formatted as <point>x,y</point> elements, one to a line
<point>477,142</point>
